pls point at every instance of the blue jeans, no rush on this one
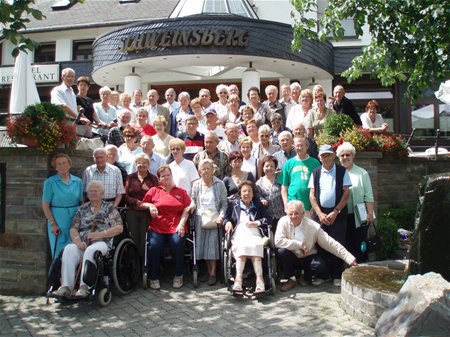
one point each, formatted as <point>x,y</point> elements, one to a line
<point>156,244</point>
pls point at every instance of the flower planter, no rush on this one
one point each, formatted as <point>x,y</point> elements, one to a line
<point>29,141</point>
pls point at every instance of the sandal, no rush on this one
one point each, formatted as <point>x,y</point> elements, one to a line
<point>260,289</point>
<point>237,287</point>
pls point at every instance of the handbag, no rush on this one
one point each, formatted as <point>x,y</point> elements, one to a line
<point>373,241</point>
<point>209,218</point>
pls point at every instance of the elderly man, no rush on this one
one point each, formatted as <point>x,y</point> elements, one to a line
<point>154,109</point>
<point>234,90</point>
<point>115,134</point>
<point>231,141</point>
<point>286,151</point>
<point>171,103</point>
<point>112,157</point>
<point>296,90</point>
<point>194,140</point>
<point>212,120</point>
<point>64,96</point>
<point>273,104</point>
<point>286,99</point>
<point>108,174</point>
<point>156,160</point>
<point>329,191</point>
<point>219,158</point>
<point>296,238</point>
<point>205,98</point>
<point>137,100</point>
<point>343,105</point>
<point>295,174</point>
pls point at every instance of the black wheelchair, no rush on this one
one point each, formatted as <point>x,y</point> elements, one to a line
<point>190,259</point>
<point>119,271</point>
<point>268,264</point>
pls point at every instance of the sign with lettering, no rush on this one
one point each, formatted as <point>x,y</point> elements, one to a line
<point>185,38</point>
<point>43,73</point>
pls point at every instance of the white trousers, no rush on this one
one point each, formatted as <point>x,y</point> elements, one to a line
<point>71,258</point>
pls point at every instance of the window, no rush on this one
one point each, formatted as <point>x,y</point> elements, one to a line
<point>82,50</point>
<point>45,52</point>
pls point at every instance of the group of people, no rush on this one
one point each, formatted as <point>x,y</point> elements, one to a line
<point>223,165</point>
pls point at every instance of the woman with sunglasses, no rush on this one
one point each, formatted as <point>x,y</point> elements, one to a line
<point>129,149</point>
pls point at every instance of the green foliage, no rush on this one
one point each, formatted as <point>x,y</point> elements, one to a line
<point>387,230</point>
<point>409,39</point>
<point>335,124</point>
<point>404,216</point>
<point>14,16</point>
<point>324,138</point>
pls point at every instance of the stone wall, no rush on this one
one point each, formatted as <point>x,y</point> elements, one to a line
<point>24,249</point>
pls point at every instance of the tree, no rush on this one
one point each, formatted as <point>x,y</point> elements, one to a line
<point>409,39</point>
<point>14,16</point>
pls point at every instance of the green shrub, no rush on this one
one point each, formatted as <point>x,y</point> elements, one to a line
<point>387,231</point>
<point>404,216</point>
<point>335,124</point>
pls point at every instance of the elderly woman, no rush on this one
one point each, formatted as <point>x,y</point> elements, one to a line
<point>221,106</point>
<point>129,149</point>
<point>371,120</point>
<point>237,175</point>
<point>249,163</point>
<point>184,171</point>
<point>125,103</point>
<point>233,115</point>
<point>136,186</point>
<point>197,109</point>
<point>246,217</point>
<point>168,206</point>
<point>277,127</point>
<point>180,114</point>
<point>247,114</point>
<point>209,199</point>
<point>161,139</point>
<point>361,195</point>
<point>251,129</point>
<point>269,189</point>
<point>106,113</point>
<point>300,112</point>
<point>142,125</point>
<point>83,101</point>
<point>93,227</point>
<point>261,110</point>
<point>317,116</point>
<point>63,193</point>
<point>265,146</point>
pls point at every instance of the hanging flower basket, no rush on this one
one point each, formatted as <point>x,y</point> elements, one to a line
<point>43,126</point>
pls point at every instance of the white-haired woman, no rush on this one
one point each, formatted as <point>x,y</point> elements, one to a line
<point>209,200</point>
<point>265,146</point>
<point>106,113</point>
<point>221,106</point>
<point>360,194</point>
<point>93,228</point>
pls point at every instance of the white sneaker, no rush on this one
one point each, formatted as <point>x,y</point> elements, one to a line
<point>337,282</point>
<point>317,281</point>
<point>154,284</point>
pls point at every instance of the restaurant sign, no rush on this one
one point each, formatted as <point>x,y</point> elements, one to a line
<point>185,38</point>
<point>44,73</point>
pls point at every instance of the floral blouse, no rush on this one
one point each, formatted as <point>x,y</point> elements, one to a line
<point>86,221</point>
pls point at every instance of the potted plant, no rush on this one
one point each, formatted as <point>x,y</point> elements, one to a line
<point>43,126</point>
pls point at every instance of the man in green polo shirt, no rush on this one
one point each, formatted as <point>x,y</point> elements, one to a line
<point>295,174</point>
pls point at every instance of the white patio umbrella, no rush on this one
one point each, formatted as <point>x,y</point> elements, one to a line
<point>23,88</point>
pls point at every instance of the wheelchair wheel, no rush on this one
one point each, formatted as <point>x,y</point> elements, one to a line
<point>126,266</point>
<point>104,297</point>
<point>226,267</point>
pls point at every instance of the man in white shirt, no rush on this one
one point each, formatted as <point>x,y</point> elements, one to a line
<point>171,103</point>
<point>64,96</point>
<point>154,109</point>
<point>231,142</point>
<point>296,239</point>
<point>211,123</point>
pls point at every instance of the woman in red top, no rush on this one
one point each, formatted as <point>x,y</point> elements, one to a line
<point>168,207</point>
<point>142,124</point>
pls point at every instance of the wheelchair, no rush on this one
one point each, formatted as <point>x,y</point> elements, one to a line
<point>189,256</point>
<point>268,264</point>
<point>117,271</point>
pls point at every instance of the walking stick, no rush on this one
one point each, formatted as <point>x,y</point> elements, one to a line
<point>53,260</point>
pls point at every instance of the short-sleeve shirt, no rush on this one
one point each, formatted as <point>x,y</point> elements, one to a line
<point>170,207</point>
<point>295,175</point>
<point>111,178</point>
<point>184,174</point>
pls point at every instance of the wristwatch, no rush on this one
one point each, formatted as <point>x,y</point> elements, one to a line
<point>337,210</point>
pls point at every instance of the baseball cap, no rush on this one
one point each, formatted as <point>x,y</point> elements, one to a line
<point>209,111</point>
<point>325,149</point>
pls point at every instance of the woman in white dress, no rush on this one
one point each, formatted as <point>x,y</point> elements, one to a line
<point>247,217</point>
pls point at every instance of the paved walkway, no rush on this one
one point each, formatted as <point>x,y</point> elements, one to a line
<point>206,311</point>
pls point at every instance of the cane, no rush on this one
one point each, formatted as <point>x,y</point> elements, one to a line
<point>53,259</point>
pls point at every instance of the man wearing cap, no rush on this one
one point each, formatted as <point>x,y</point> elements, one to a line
<point>210,115</point>
<point>294,176</point>
<point>329,191</point>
